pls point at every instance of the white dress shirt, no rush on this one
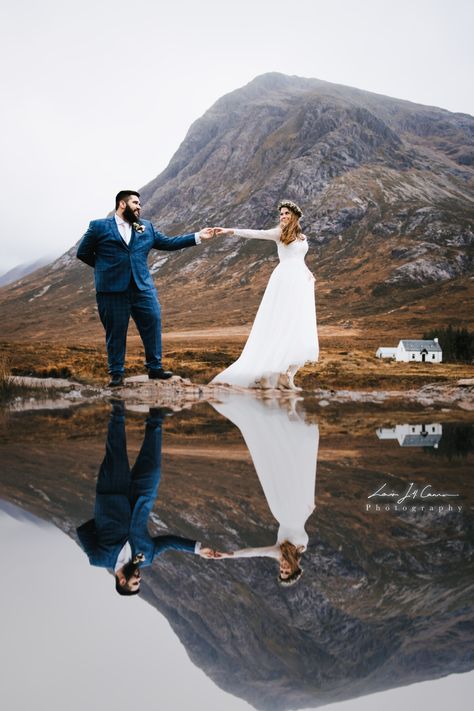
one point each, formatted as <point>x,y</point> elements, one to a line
<point>124,557</point>
<point>125,229</point>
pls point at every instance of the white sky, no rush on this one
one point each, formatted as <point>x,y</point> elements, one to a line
<point>100,93</point>
<point>74,643</point>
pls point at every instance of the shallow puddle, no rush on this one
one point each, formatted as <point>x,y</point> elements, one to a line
<point>377,508</point>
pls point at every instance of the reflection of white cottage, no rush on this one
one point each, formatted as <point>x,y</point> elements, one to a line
<point>413,435</point>
<point>414,351</point>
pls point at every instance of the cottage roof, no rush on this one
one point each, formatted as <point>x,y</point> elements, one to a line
<point>421,440</point>
<point>419,345</point>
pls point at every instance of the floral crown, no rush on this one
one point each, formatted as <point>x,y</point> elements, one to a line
<point>291,206</point>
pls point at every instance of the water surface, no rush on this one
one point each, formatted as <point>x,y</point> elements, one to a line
<point>384,602</point>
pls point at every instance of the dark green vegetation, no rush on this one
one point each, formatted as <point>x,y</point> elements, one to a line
<point>457,343</point>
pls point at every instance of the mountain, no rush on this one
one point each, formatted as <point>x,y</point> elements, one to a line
<point>387,188</point>
<point>22,270</point>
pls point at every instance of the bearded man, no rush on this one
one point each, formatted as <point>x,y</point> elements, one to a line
<point>117,248</point>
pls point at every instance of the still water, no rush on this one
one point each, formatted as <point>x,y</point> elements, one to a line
<point>369,514</point>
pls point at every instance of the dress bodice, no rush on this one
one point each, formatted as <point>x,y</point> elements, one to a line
<point>295,250</point>
<point>294,534</point>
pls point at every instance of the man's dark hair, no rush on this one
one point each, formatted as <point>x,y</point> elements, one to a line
<point>124,591</point>
<point>124,195</point>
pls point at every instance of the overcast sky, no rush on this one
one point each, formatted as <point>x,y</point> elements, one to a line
<point>100,93</point>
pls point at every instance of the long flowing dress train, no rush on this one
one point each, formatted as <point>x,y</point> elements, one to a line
<point>284,451</point>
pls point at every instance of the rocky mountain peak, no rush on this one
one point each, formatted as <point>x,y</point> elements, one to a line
<point>386,186</point>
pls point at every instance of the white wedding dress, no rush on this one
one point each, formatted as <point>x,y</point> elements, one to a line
<point>284,332</point>
<point>284,451</point>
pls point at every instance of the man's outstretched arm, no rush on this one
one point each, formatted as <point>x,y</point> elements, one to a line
<point>172,243</point>
<point>164,543</point>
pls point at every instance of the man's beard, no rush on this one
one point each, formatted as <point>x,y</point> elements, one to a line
<point>129,569</point>
<point>129,216</point>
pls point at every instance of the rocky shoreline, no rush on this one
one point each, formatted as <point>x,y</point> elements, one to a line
<point>178,393</point>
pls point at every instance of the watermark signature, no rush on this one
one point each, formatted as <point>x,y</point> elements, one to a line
<point>413,498</point>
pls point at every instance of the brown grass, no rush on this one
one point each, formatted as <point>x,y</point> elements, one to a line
<point>344,363</point>
<point>9,389</point>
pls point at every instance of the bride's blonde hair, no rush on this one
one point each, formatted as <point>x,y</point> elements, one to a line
<point>292,230</point>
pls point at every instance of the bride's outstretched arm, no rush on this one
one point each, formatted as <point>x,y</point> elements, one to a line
<point>273,234</point>
<point>270,551</point>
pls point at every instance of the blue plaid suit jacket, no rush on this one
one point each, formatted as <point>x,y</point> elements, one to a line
<point>125,498</point>
<point>103,537</point>
<point>114,262</point>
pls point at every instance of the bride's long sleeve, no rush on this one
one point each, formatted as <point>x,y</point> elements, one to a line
<point>270,551</point>
<point>273,234</point>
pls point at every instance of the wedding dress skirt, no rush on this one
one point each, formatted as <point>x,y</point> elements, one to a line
<point>284,451</point>
<point>284,332</point>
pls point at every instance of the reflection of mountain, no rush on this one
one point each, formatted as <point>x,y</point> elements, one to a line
<point>399,618</point>
<point>413,435</point>
<point>385,600</point>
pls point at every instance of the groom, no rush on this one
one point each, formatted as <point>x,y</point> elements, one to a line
<point>117,537</point>
<point>118,247</point>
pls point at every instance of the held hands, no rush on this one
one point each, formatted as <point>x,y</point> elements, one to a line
<point>209,232</point>
<point>223,231</point>
<point>206,233</point>
<point>211,553</point>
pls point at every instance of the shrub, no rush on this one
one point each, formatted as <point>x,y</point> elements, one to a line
<point>8,388</point>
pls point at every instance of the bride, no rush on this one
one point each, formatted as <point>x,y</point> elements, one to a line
<point>284,335</point>
<point>284,451</point>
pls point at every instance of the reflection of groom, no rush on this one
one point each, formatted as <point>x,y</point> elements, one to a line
<point>118,247</point>
<point>117,537</point>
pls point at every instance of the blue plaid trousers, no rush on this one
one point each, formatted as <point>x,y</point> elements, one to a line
<point>115,309</point>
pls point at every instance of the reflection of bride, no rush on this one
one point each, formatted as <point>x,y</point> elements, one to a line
<point>284,450</point>
<point>284,335</point>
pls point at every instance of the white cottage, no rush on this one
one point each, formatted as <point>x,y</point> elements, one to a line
<point>413,435</point>
<point>413,351</point>
<point>385,352</point>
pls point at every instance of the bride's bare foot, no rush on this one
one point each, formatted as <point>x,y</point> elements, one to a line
<point>284,382</point>
<point>291,372</point>
<point>264,383</point>
<point>292,384</point>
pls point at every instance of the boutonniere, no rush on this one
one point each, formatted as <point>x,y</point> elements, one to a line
<point>138,227</point>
